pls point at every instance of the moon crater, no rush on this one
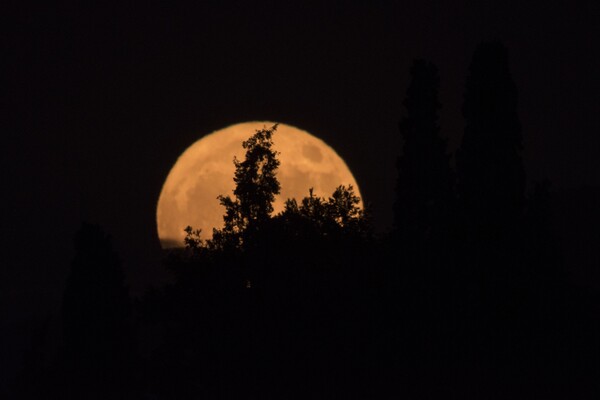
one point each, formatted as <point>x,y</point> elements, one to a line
<point>312,153</point>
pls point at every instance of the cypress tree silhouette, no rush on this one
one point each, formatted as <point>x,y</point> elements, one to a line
<point>491,189</point>
<point>424,183</point>
<point>490,170</point>
<point>421,233</point>
<point>491,176</point>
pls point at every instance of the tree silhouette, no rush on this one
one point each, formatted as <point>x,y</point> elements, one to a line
<point>273,295</point>
<point>424,183</point>
<point>339,214</point>
<point>490,169</point>
<point>508,265</point>
<point>491,176</point>
<point>255,190</point>
<point>419,277</point>
<point>98,349</point>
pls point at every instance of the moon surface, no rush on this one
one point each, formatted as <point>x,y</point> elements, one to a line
<point>205,170</point>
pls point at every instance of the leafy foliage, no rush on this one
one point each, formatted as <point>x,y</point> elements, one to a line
<point>256,187</point>
<point>248,213</point>
<point>340,212</point>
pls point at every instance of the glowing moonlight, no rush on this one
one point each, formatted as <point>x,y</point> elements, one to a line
<point>205,170</point>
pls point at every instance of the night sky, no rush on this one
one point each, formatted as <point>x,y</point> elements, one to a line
<point>97,104</point>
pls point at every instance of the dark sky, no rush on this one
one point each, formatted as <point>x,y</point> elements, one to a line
<point>97,103</point>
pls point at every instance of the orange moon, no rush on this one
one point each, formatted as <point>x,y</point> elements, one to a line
<point>205,170</point>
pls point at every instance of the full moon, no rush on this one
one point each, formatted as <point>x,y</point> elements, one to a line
<point>205,170</point>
